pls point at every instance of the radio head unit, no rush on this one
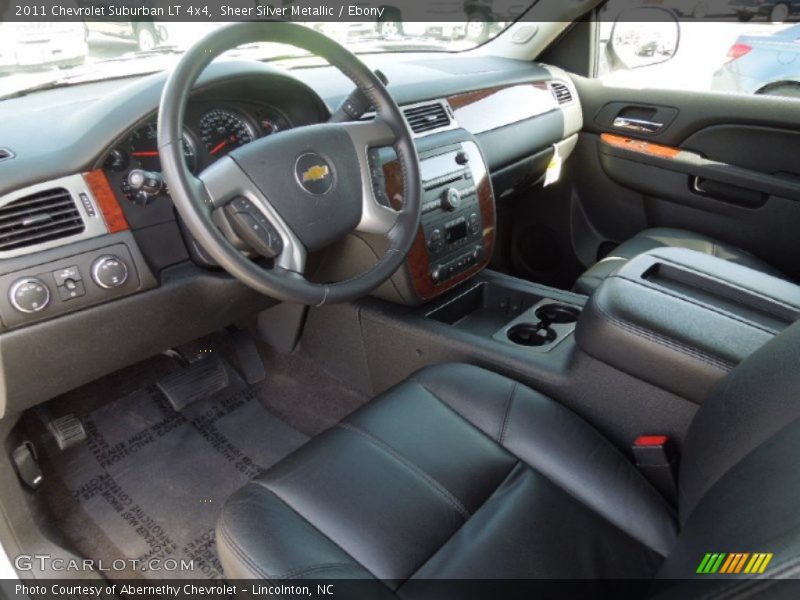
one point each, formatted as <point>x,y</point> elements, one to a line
<point>458,215</point>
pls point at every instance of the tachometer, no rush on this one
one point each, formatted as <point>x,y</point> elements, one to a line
<point>143,148</point>
<point>223,130</point>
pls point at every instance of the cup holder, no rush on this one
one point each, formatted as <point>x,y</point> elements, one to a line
<point>553,320</point>
<point>531,334</point>
<point>550,314</point>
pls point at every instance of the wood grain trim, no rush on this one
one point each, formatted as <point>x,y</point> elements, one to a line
<point>640,146</point>
<point>467,99</point>
<point>393,175</point>
<point>106,200</point>
<point>492,108</point>
<point>418,261</point>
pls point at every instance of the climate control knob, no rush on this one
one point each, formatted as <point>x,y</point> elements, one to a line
<point>109,272</point>
<point>29,295</point>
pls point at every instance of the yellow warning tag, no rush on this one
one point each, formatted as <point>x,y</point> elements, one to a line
<point>553,173</point>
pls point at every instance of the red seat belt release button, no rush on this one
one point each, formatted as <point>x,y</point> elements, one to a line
<point>656,459</point>
<point>651,440</point>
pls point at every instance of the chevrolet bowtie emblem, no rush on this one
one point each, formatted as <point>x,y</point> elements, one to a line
<point>316,173</point>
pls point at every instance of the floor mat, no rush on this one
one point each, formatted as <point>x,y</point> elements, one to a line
<point>303,394</point>
<point>149,482</point>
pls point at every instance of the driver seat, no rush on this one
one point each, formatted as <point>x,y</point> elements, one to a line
<point>459,473</point>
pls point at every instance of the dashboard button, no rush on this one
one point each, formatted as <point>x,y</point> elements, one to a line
<point>109,272</point>
<point>474,223</point>
<point>71,289</point>
<point>62,275</point>
<point>436,241</point>
<point>29,295</point>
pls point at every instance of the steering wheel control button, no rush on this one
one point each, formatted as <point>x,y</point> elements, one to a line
<point>29,295</point>
<point>451,199</point>
<point>261,236</point>
<point>254,228</point>
<point>314,174</point>
<point>109,272</point>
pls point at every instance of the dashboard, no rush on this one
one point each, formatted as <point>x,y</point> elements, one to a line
<point>212,130</point>
<point>108,261</point>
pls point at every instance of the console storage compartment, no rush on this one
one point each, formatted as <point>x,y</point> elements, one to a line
<point>682,320</point>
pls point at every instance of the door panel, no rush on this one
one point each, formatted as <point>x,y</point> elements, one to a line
<point>718,164</point>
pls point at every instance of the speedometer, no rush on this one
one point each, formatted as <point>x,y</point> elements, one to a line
<point>223,130</point>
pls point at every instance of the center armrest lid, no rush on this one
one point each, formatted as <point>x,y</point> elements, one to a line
<point>681,319</point>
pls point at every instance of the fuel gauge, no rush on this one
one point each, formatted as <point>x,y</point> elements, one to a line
<point>271,121</point>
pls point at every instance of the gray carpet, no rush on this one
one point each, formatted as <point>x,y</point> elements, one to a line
<point>304,395</point>
<point>150,482</point>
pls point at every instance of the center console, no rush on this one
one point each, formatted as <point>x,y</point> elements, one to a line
<point>457,227</point>
<point>529,319</point>
<point>681,320</point>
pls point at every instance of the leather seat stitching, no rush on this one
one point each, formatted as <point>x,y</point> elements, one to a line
<point>320,567</point>
<point>502,435</point>
<point>671,344</point>
<point>547,477</point>
<point>238,550</point>
<point>698,304</point>
<point>455,533</point>
<point>277,496</point>
<point>432,483</point>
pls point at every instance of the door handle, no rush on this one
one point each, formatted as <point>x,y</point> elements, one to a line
<point>637,125</point>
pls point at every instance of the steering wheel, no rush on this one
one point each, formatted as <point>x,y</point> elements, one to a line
<point>295,192</point>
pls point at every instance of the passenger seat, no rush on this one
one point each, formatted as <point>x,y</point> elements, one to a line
<point>662,237</point>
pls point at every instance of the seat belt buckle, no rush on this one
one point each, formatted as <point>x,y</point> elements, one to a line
<point>656,458</point>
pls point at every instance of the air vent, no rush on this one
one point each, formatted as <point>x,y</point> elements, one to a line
<point>39,218</point>
<point>561,92</point>
<point>427,117</point>
<point>5,154</point>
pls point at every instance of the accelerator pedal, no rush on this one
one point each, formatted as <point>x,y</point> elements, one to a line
<point>250,363</point>
<point>198,381</point>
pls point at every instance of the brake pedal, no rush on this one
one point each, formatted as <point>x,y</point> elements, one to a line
<point>198,381</point>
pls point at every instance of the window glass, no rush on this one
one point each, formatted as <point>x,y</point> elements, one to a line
<point>737,47</point>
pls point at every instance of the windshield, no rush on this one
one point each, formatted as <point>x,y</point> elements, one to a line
<point>40,54</point>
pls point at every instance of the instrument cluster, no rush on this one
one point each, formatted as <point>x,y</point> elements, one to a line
<point>211,131</point>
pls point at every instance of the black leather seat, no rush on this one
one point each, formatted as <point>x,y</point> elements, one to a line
<point>662,237</point>
<point>461,473</point>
